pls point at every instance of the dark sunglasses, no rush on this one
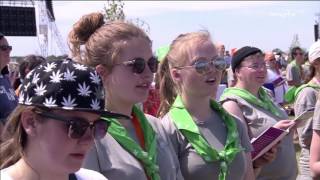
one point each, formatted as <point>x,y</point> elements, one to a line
<point>5,48</point>
<point>139,64</point>
<point>203,66</point>
<point>78,126</point>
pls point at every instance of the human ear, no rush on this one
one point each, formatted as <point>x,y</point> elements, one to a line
<point>175,74</point>
<point>102,71</point>
<point>29,122</point>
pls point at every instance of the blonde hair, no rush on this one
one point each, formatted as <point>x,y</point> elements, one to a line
<point>177,56</point>
<point>13,138</point>
<point>102,41</point>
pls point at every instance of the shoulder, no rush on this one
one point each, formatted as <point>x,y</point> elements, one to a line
<point>86,174</point>
<point>307,92</point>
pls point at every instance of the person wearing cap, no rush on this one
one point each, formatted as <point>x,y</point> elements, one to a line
<point>314,58</point>
<point>59,115</point>
<point>135,147</point>
<point>8,99</point>
<point>251,103</point>
<point>209,142</point>
<point>274,81</point>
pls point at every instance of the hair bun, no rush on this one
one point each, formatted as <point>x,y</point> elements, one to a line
<point>87,25</point>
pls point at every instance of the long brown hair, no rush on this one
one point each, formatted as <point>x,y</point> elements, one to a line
<point>13,138</point>
<point>102,41</point>
<point>177,56</point>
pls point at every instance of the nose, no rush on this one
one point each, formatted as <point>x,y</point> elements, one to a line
<point>87,138</point>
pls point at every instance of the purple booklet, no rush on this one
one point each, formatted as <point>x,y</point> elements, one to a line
<point>266,140</point>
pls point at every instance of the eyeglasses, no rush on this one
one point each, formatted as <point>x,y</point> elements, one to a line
<point>5,48</point>
<point>203,66</point>
<point>78,126</point>
<point>257,66</point>
<point>138,64</point>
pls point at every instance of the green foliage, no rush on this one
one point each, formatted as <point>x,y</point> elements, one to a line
<point>114,10</point>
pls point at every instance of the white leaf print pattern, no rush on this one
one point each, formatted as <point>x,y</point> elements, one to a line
<point>28,76</point>
<point>95,77</point>
<point>83,89</point>
<point>21,98</point>
<point>35,78</point>
<point>56,77</point>
<point>95,104</point>
<point>40,90</point>
<point>28,100</point>
<point>49,67</point>
<point>80,67</point>
<point>68,103</point>
<point>50,102</point>
<point>69,76</point>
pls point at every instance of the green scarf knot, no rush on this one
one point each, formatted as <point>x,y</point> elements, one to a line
<point>264,101</point>
<point>184,122</point>
<point>148,158</point>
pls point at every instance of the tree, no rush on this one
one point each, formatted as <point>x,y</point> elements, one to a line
<point>114,10</point>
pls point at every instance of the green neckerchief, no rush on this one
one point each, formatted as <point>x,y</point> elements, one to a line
<point>293,91</point>
<point>264,101</point>
<point>148,157</point>
<point>294,64</point>
<point>184,122</point>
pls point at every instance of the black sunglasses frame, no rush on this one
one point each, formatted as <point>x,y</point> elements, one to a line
<point>5,47</point>
<point>77,126</point>
<point>139,64</point>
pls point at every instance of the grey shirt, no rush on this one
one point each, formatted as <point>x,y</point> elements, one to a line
<point>258,120</point>
<point>213,129</point>
<point>305,100</point>
<point>293,73</point>
<point>109,158</point>
<point>316,117</point>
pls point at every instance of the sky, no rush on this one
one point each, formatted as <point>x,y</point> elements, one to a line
<point>263,24</point>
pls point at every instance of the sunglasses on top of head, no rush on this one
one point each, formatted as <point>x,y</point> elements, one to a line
<point>203,66</point>
<point>5,47</point>
<point>139,64</point>
<point>77,126</point>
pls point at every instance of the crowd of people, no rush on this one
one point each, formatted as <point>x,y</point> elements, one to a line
<point>114,110</point>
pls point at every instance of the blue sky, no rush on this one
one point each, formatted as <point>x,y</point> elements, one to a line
<point>264,24</point>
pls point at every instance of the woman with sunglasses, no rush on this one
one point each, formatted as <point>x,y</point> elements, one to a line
<point>209,143</point>
<point>136,147</point>
<point>53,127</point>
<point>8,99</point>
<point>306,98</point>
<point>255,108</point>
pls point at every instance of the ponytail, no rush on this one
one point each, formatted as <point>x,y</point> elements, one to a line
<point>167,88</point>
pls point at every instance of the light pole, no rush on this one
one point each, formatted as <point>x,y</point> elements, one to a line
<point>316,26</point>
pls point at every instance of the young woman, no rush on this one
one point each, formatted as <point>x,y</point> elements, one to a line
<point>253,105</point>
<point>137,147</point>
<point>209,143</point>
<point>52,128</point>
<point>305,99</point>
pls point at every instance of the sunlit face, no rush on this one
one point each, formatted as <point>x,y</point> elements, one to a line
<point>4,54</point>
<point>56,149</point>
<point>316,64</point>
<point>299,56</point>
<point>252,71</point>
<point>123,85</point>
<point>193,83</point>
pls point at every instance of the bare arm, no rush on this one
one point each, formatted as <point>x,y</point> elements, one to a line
<point>315,154</point>
<point>250,173</point>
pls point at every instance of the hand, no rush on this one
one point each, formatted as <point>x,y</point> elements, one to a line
<point>267,158</point>
<point>284,124</point>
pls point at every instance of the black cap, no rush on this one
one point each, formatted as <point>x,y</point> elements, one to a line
<point>242,53</point>
<point>65,84</point>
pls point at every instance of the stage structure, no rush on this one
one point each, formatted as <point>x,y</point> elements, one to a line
<point>32,18</point>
